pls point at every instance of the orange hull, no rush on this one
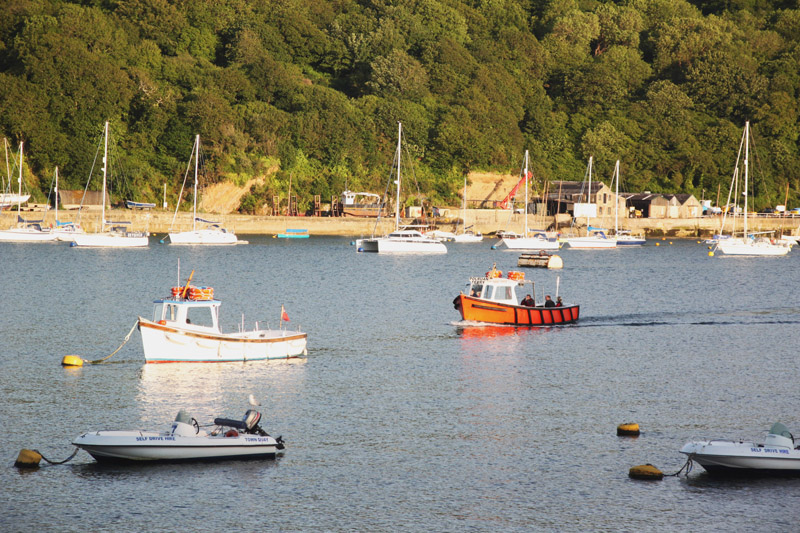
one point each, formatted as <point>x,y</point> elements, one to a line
<point>480,310</point>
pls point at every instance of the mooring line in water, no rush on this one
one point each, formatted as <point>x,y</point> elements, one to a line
<point>687,466</point>
<point>127,338</point>
<point>59,462</point>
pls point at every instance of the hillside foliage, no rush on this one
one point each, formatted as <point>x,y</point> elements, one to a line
<point>663,85</point>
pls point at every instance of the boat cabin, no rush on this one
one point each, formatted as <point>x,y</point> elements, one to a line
<point>202,315</point>
<point>500,290</point>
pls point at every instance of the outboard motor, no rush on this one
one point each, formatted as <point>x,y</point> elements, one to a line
<point>251,420</point>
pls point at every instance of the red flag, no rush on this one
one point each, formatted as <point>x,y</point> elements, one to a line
<point>284,316</point>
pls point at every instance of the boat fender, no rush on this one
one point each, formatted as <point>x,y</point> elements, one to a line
<point>162,322</point>
<point>646,472</point>
<point>628,429</point>
<point>231,433</point>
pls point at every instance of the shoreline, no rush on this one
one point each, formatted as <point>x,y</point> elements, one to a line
<point>487,221</point>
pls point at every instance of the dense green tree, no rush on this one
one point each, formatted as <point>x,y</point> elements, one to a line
<point>313,91</point>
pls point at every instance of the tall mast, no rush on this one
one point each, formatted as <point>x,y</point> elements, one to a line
<point>616,200</point>
<point>589,195</point>
<point>105,170</point>
<point>194,203</point>
<point>746,165</point>
<point>19,181</point>
<point>56,197</point>
<point>525,233</point>
<point>397,208</point>
<point>464,204</point>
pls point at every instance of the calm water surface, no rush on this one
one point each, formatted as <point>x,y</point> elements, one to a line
<point>401,417</point>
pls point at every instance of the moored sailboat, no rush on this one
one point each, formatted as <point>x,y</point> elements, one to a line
<point>213,232</point>
<point>111,234</point>
<point>530,239</point>
<point>26,230</point>
<point>748,244</point>
<point>596,238</point>
<point>401,240</point>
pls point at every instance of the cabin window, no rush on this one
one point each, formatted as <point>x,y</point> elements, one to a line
<point>165,312</point>
<point>503,293</point>
<point>476,290</point>
<point>199,316</point>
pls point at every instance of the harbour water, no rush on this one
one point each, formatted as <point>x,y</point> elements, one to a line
<point>402,418</point>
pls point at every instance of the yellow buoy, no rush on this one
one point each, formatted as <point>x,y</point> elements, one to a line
<point>710,254</point>
<point>658,244</point>
<point>28,459</point>
<point>647,472</point>
<point>71,360</point>
<point>670,242</point>
<point>628,429</point>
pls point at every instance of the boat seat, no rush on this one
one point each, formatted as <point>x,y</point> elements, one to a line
<point>237,424</point>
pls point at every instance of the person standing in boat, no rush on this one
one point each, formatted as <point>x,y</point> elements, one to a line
<point>548,302</point>
<point>559,303</point>
<point>528,301</point>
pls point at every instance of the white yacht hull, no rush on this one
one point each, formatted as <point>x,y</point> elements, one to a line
<point>386,245</point>
<point>530,243</point>
<point>737,246</point>
<point>203,236</point>
<point>167,344</point>
<point>591,243</point>
<point>467,238</point>
<point>26,235</point>
<point>729,457</point>
<point>109,240</point>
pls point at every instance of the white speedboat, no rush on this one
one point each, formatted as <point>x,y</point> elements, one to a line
<point>185,441</point>
<point>777,455</point>
<point>185,328</point>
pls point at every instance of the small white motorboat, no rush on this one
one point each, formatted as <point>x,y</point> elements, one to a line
<point>185,441</point>
<point>778,455</point>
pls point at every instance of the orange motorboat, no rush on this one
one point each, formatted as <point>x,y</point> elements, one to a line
<point>493,299</point>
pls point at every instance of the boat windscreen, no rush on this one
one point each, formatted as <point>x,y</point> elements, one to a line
<point>779,429</point>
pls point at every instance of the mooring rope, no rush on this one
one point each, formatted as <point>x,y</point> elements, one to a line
<point>127,338</point>
<point>687,467</point>
<point>58,462</point>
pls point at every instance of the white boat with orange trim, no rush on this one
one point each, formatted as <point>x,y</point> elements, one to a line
<point>185,441</point>
<point>185,328</point>
<point>492,299</point>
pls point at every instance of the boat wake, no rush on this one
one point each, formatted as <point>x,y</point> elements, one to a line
<point>772,316</point>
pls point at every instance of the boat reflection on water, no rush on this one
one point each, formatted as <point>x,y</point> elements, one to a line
<point>469,330</point>
<point>212,390</point>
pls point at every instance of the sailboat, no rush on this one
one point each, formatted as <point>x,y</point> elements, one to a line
<point>117,234</point>
<point>595,238</point>
<point>530,239</point>
<point>748,243</point>
<point>26,230</point>
<point>7,198</point>
<point>401,240</point>
<point>213,233</point>
<point>65,231</point>
<point>466,234</point>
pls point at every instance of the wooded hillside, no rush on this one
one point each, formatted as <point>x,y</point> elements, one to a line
<point>318,88</point>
